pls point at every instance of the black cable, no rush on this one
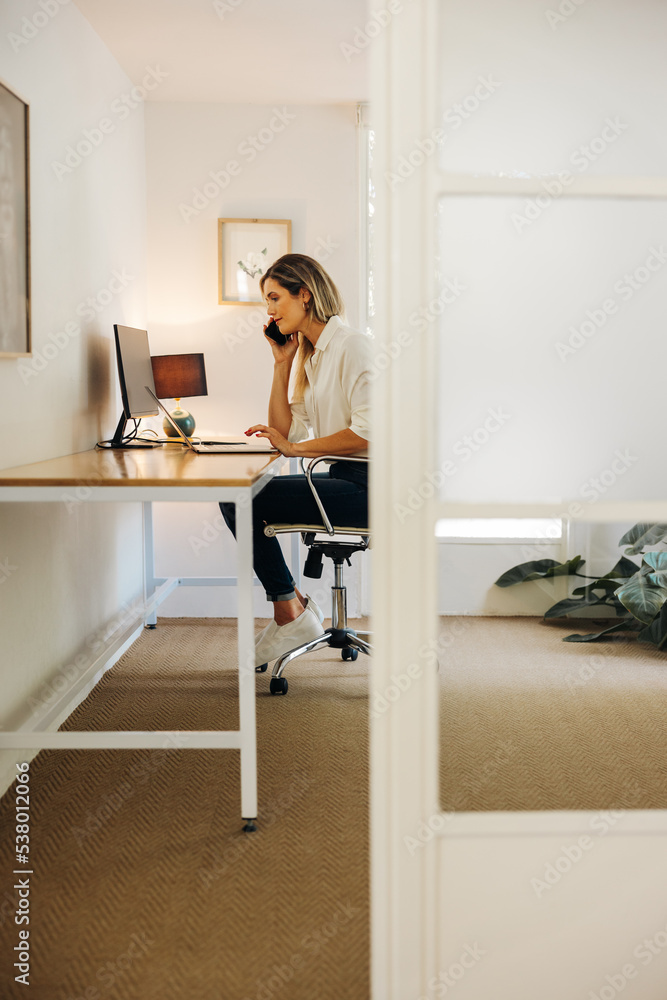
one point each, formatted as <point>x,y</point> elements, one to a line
<point>106,445</point>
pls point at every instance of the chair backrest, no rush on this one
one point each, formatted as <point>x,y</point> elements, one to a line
<point>328,527</point>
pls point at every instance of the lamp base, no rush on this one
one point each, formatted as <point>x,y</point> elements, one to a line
<point>184,420</point>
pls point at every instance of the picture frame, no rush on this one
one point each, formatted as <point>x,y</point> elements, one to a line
<point>15,334</point>
<point>246,248</point>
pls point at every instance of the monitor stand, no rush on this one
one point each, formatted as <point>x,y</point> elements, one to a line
<point>118,442</point>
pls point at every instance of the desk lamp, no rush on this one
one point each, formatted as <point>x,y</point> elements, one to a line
<point>175,376</point>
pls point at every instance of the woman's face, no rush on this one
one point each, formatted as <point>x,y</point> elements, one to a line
<point>287,310</point>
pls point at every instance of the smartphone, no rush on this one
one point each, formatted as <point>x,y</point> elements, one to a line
<point>274,333</point>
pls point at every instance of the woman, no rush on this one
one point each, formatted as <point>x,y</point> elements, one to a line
<point>332,368</point>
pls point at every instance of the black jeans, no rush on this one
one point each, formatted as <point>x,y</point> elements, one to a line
<point>289,500</point>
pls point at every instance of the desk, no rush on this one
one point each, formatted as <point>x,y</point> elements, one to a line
<point>159,474</point>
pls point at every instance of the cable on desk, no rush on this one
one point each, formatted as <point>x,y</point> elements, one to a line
<point>105,445</point>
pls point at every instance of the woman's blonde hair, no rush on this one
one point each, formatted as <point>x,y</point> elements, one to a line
<point>293,272</point>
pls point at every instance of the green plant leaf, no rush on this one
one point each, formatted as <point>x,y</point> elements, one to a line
<point>656,632</point>
<point>539,569</point>
<point>624,626</point>
<point>623,568</point>
<point>609,586</point>
<point>573,604</point>
<point>656,560</point>
<point>641,597</point>
<point>641,536</point>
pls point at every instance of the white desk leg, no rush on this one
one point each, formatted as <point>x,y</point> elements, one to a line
<point>246,655</point>
<point>149,561</point>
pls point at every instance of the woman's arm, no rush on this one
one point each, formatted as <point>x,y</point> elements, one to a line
<point>280,414</point>
<point>341,443</point>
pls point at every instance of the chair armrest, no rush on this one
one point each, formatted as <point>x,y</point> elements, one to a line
<point>309,476</point>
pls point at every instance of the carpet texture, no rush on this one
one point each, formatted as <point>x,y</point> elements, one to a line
<point>145,888</point>
<point>530,722</point>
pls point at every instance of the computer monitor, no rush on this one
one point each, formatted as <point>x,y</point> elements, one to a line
<point>135,372</point>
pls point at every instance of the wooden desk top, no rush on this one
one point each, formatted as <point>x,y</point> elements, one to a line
<point>171,465</point>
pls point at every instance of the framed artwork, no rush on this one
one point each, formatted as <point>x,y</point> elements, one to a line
<point>246,248</point>
<point>14,226</point>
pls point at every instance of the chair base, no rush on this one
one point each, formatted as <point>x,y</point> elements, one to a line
<point>346,639</point>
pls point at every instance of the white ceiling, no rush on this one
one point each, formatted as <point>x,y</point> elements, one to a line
<point>251,51</point>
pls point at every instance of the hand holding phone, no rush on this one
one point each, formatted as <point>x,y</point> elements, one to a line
<point>274,333</point>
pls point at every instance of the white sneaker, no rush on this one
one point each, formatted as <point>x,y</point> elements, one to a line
<point>267,630</point>
<point>310,603</point>
<point>286,637</point>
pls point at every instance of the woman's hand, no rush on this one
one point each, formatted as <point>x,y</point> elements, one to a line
<point>283,353</point>
<point>277,440</point>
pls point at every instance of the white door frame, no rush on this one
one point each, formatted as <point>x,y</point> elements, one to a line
<point>407,905</point>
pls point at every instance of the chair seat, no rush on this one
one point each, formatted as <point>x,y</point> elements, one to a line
<point>276,529</point>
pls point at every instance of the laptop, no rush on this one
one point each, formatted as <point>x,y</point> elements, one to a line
<point>250,447</point>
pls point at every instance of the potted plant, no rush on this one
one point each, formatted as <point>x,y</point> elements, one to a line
<point>637,594</point>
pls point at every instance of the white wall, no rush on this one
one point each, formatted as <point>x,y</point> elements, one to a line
<point>561,299</point>
<point>307,172</point>
<point>72,568</point>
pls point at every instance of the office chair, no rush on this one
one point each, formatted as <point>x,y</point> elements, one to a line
<point>340,635</point>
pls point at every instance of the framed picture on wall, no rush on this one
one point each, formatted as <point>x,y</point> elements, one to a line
<point>14,226</point>
<point>246,248</point>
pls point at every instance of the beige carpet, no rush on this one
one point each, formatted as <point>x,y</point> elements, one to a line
<point>145,888</point>
<point>530,722</point>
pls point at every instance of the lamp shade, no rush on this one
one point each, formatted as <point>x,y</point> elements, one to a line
<point>178,375</point>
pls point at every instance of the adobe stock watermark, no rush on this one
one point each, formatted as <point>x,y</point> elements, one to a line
<point>113,970</point>
<point>112,802</point>
<point>565,11</point>
<point>418,320</point>
<point>222,7</point>
<point>7,569</point>
<point>253,322</point>
<point>646,951</point>
<point>219,864</point>
<point>31,26</point>
<point>625,288</point>
<point>439,821</point>
<point>87,310</point>
<point>213,527</point>
<point>364,34</point>
<point>425,148</point>
<point>271,983</point>
<point>446,980</point>
<point>83,491</point>
<point>428,656</point>
<point>572,854</point>
<point>248,150</point>
<point>581,158</point>
<point>465,448</point>
<point>54,689</point>
<point>586,672</point>
<point>591,490</point>
<point>120,109</point>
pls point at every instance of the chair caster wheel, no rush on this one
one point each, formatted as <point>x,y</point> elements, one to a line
<point>278,685</point>
<point>261,669</point>
<point>349,654</point>
<point>250,826</point>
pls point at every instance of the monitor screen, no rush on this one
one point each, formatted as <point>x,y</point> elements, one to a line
<point>134,371</point>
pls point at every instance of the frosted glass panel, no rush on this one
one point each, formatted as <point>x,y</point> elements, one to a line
<point>526,89</point>
<point>552,363</point>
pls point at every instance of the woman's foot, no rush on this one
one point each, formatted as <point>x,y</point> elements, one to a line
<point>285,612</point>
<point>282,638</point>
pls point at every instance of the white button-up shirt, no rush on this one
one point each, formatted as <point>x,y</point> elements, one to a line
<point>337,392</point>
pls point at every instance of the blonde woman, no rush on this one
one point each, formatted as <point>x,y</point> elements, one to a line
<point>331,390</point>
